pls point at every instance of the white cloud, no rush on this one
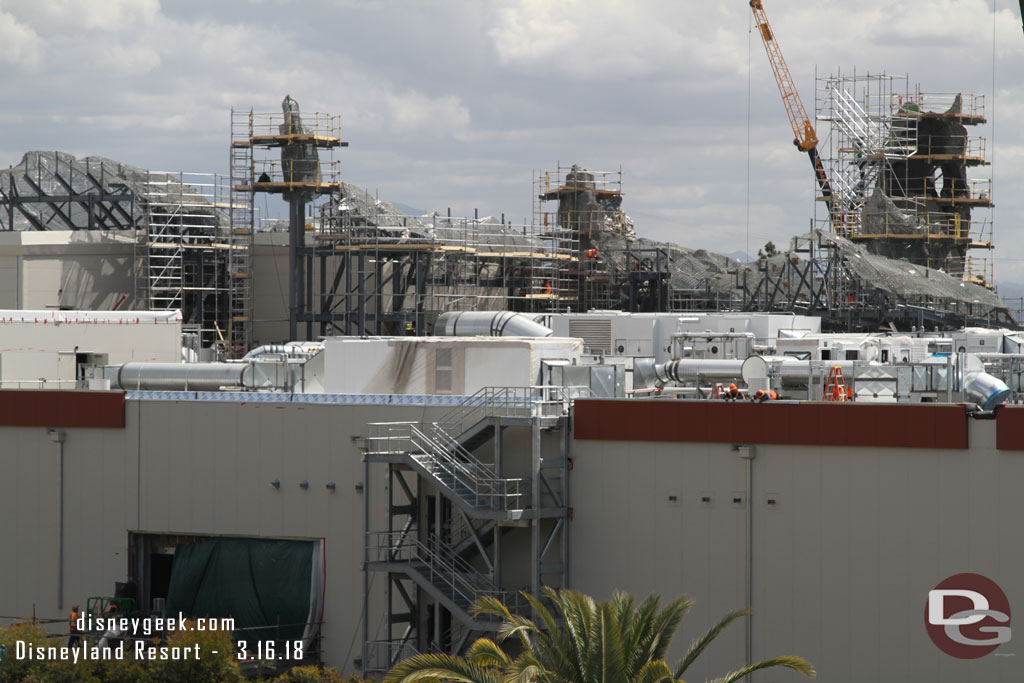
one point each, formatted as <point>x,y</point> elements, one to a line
<point>412,111</point>
<point>85,15</point>
<point>658,87</point>
<point>19,44</point>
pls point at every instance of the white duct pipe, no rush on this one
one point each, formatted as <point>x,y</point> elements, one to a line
<point>690,368</point>
<point>488,324</point>
<point>182,376</point>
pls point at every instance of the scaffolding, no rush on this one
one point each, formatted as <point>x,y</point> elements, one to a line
<point>575,208</point>
<point>184,251</point>
<point>376,271</point>
<point>175,223</point>
<point>242,227</point>
<point>897,159</point>
<point>279,153</point>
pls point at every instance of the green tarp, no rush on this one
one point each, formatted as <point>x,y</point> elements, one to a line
<point>260,583</point>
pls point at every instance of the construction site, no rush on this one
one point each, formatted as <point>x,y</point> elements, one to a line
<point>902,241</point>
<point>392,416</point>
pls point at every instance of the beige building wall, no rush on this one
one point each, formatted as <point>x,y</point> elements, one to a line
<point>270,288</point>
<point>189,467</point>
<point>842,560</point>
<point>79,270</point>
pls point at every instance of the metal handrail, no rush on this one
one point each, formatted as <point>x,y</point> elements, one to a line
<point>488,489</point>
<point>463,580</point>
<point>488,482</point>
<point>495,401</point>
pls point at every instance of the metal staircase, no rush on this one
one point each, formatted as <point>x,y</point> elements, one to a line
<point>470,483</point>
<point>448,521</point>
<point>442,573</point>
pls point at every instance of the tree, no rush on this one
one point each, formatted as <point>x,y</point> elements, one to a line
<point>768,250</point>
<point>591,642</point>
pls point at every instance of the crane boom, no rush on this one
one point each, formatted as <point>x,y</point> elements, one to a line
<point>804,137</point>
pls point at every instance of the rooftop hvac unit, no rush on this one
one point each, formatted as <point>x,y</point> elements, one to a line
<point>595,333</point>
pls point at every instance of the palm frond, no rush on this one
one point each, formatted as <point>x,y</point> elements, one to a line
<point>439,667</point>
<point>612,659</point>
<point>526,669</point>
<point>788,661</point>
<point>515,625</point>
<point>662,628</point>
<point>489,606</point>
<point>556,645</point>
<point>654,672</point>
<point>485,652</point>
<point>705,639</point>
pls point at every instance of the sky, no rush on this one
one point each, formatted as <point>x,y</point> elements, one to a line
<point>456,103</point>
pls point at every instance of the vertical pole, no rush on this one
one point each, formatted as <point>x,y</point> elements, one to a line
<point>296,232</point>
<point>307,259</point>
<point>366,564</point>
<point>535,528</point>
<point>360,288</point>
<point>323,294</point>
<point>349,311</point>
<point>566,454</point>
<point>747,453</point>
<point>60,559</point>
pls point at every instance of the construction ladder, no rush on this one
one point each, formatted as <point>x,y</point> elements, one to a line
<point>835,386</point>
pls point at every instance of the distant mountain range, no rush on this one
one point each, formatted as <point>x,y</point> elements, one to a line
<point>741,256</point>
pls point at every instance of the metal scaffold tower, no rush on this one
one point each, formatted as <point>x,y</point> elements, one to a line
<point>279,153</point>
<point>239,332</point>
<point>458,522</point>
<point>898,161</point>
<point>586,204</point>
<point>182,254</point>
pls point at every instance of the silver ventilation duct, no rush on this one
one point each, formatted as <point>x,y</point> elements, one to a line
<point>488,324</point>
<point>985,390</point>
<point>183,376</point>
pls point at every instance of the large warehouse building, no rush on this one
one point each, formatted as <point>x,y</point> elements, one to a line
<point>833,520</point>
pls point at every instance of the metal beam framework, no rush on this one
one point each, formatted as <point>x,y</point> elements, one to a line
<point>104,203</point>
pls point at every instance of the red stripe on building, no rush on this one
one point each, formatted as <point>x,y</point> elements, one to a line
<point>821,424</point>
<point>29,408</point>
<point>1010,428</point>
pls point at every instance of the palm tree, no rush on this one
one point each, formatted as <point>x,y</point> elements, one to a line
<point>591,642</point>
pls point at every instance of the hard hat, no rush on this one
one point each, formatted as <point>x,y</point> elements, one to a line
<point>759,393</point>
<point>732,387</point>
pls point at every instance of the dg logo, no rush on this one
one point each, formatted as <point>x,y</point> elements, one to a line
<point>967,616</point>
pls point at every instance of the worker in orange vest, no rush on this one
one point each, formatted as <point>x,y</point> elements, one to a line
<point>760,396</point>
<point>733,394</point>
<point>74,637</point>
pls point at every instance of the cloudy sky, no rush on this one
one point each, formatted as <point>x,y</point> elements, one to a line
<point>454,103</point>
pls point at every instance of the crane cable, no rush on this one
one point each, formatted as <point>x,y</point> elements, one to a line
<point>750,34</point>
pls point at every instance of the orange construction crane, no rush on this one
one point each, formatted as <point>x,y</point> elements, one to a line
<point>804,137</point>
